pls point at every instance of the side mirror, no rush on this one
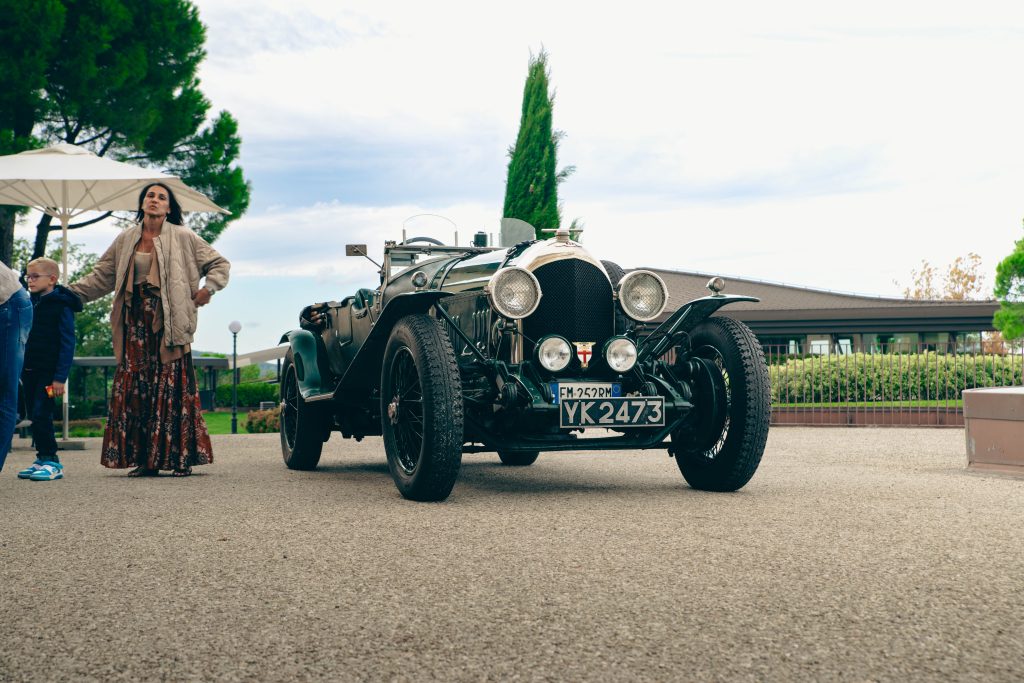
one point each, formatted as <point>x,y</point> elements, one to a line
<point>360,250</point>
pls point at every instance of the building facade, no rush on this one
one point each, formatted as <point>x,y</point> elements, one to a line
<point>802,320</point>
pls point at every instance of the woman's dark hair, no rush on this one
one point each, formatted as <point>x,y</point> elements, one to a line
<point>173,216</point>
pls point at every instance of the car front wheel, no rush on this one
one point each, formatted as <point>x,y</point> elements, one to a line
<point>421,409</point>
<point>720,449</point>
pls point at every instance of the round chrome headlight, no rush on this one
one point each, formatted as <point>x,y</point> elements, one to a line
<point>554,353</point>
<point>642,295</point>
<point>620,354</point>
<point>514,292</point>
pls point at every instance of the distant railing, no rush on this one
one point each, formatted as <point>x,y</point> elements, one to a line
<point>91,381</point>
<point>887,385</point>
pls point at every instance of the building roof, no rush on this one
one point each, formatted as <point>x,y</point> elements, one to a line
<point>789,309</point>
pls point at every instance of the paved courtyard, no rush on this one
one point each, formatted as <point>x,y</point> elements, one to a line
<point>853,555</point>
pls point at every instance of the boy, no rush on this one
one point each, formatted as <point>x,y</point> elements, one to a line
<point>48,355</point>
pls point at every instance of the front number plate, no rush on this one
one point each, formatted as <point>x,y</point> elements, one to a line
<point>564,390</point>
<point>639,411</point>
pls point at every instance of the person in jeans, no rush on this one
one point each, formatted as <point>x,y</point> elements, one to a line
<point>48,355</point>
<point>15,323</point>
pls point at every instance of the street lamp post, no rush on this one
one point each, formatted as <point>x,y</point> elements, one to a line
<point>235,327</point>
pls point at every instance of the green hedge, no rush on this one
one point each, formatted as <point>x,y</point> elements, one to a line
<point>877,377</point>
<point>249,394</point>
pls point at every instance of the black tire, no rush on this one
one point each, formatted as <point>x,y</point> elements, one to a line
<point>614,270</point>
<point>616,273</point>
<point>518,458</point>
<point>421,409</point>
<point>303,424</point>
<point>726,459</point>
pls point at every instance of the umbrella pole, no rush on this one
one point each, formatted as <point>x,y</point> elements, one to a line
<point>64,219</point>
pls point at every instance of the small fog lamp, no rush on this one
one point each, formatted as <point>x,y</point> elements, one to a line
<point>554,353</point>
<point>620,354</point>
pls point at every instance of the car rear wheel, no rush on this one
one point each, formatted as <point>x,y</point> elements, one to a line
<point>518,458</point>
<point>303,424</point>
<point>421,409</point>
<point>721,448</point>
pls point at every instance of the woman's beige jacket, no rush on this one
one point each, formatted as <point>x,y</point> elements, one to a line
<point>182,258</point>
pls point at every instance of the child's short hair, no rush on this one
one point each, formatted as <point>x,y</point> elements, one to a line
<point>47,265</point>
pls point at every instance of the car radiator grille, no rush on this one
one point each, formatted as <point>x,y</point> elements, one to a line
<point>576,303</point>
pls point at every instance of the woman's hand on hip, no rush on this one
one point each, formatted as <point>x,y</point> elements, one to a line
<point>201,297</point>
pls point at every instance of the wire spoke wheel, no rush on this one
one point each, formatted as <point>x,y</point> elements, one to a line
<point>304,426</point>
<point>421,409</point>
<point>406,409</point>
<point>290,408</point>
<point>721,448</point>
<point>712,354</point>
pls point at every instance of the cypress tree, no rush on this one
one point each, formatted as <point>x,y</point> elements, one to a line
<point>531,190</point>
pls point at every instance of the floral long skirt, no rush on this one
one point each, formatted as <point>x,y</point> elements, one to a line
<point>155,420</point>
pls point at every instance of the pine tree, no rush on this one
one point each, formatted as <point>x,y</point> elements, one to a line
<point>531,191</point>
<point>117,77</point>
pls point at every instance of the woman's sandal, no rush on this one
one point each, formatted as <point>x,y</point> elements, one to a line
<point>186,472</point>
<point>143,472</point>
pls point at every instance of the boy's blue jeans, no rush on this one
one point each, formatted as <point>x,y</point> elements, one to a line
<point>15,324</point>
<point>40,411</point>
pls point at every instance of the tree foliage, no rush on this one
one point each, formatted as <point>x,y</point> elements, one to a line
<point>1009,289</point>
<point>531,190</point>
<point>117,77</point>
<point>961,281</point>
<point>27,44</point>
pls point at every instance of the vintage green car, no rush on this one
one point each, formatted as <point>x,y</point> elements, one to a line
<point>517,350</point>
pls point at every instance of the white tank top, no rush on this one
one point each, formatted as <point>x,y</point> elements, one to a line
<point>143,262</point>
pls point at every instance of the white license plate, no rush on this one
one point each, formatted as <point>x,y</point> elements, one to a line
<point>629,411</point>
<point>563,390</point>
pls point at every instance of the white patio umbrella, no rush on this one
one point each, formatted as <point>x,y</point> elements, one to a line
<point>65,181</point>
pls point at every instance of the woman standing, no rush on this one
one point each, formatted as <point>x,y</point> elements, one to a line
<point>153,268</point>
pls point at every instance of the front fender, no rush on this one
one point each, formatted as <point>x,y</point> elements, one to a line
<point>683,320</point>
<point>305,348</point>
<point>364,370</point>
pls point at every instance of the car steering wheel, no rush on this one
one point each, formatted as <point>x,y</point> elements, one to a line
<point>429,240</point>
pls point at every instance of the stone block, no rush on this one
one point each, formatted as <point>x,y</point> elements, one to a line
<point>994,429</point>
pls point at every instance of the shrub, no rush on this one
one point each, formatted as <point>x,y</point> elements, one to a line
<point>82,409</point>
<point>249,394</point>
<point>80,428</point>
<point>263,421</point>
<point>888,377</point>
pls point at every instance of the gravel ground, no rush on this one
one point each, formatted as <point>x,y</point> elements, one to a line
<point>853,555</point>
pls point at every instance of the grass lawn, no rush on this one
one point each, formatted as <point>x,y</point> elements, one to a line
<point>951,403</point>
<point>216,423</point>
<point>220,423</point>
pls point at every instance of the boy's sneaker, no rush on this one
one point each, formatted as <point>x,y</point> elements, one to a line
<point>30,470</point>
<point>48,472</point>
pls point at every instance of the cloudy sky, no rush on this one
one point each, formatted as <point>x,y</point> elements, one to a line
<point>829,145</point>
